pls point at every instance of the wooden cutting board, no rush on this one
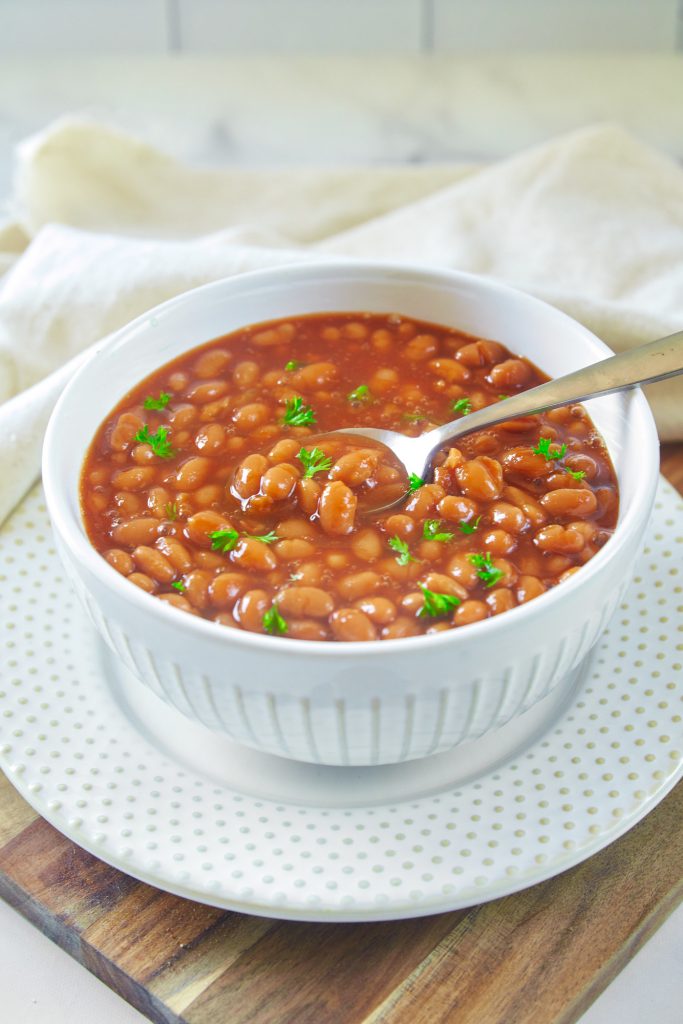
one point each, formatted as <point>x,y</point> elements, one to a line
<point>540,956</point>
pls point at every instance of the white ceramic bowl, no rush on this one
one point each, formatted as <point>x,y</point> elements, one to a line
<point>355,703</point>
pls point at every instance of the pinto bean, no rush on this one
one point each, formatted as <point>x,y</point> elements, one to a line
<point>306,602</point>
<point>470,611</point>
<point>247,479</point>
<point>570,502</point>
<point>120,560</point>
<point>225,588</point>
<point>137,479</point>
<point>127,426</point>
<point>355,468</point>
<point>508,517</point>
<point>250,609</point>
<point>511,373</point>
<point>154,564</point>
<point>367,545</point>
<point>480,353</point>
<point>529,587</point>
<point>500,601</point>
<point>359,584</point>
<point>351,624</point>
<point>176,553</point>
<point>251,416</point>
<point>400,627</point>
<point>308,494</point>
<point>449,370</point>
<point>193,473</point>
<point>525,463</point>
<point>480,478</point>
<point>211,363</point>
<point>253,554</point>
<point>136,531</point>
<point>337,508</point>
<point>561,540</point>
<point>144,582</point>
<point>211,439</point>
<point>314,375</point>
<point>381,610</point>
<point>279,481</point>
<point>201,524</point>
<point>402,526</point>
<point>424,500</point>
<point>246,373</point>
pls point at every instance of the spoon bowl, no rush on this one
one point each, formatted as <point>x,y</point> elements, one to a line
<point>655,361</point>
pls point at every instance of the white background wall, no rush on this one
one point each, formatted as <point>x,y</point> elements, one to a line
<point>34,27</point>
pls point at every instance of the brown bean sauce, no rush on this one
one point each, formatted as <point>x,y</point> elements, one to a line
<point>205,488</point>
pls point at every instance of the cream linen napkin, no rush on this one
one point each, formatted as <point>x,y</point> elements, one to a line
<point>104,227</point>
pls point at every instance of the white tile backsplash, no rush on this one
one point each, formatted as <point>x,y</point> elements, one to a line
<point>300,26</point>
<point>561,25</point>
<point>34,27</point>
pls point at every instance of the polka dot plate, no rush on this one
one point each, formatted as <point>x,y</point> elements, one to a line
<point>184,809</point>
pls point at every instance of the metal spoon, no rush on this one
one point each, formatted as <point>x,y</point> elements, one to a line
<point>655,361</point>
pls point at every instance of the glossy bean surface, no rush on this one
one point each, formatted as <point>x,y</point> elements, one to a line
<point>208,486</point>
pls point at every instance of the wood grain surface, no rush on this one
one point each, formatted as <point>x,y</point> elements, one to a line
<point>540,956</point>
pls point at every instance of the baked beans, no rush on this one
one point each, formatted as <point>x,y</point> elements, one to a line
<point>206,487</point>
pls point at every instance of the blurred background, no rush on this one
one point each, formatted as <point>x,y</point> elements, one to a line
<point>342,81</point>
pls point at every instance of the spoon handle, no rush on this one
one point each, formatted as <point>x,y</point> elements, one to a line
<point>654,361</point>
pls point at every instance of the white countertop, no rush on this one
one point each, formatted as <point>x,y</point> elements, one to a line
<point>270,111</point>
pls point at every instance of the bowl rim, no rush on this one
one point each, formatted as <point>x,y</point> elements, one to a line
<point>73,533</point>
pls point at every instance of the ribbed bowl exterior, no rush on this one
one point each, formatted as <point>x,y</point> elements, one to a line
<point>362,714</point>
<point>349,704</point>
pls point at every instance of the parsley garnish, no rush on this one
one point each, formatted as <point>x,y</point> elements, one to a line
<point>486,571</point>
<point>273,622</point>
<point>468,528</point>
<point>414,417</point>
<point>544,448</point>
<point>157,403</point>
<point>437,604</point>
<point>171,510</point>
<point>359,394</point>
<point>404,556</point>
<point>292,365</point>
<point>226,540</point>
<point>415,482</point>
<point>430,531</point>
<point>297,414</point>
<point>314,461</point>
<point>178,585</point>
<point>158,442</point>
<point>463,406</point>
<point>223,540</point>
<point>265,538</point>
<point>501,398</point>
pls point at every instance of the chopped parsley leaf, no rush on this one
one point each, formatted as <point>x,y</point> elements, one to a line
<point>171,510</point>
<point>178,585</point>
<point>404,556</point>
<point>415,482</point>
<point>273,622</point>
<point>468,528</point>
<point>545,448</point>
<point>314,461</point>
<point>158,442</point>
<point>486,570</point>
<point>437,604</point>
<point>157,403</point>
<point>223,540</point>
<point>430,531</point>
<point>265,538</point>
<point>297,414</point>
<point>577,474</point>
<point>359,394</point>
<point>463,406</point>
<point>292,365</point>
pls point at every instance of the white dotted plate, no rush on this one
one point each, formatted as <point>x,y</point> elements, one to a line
<point>182,808</point>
